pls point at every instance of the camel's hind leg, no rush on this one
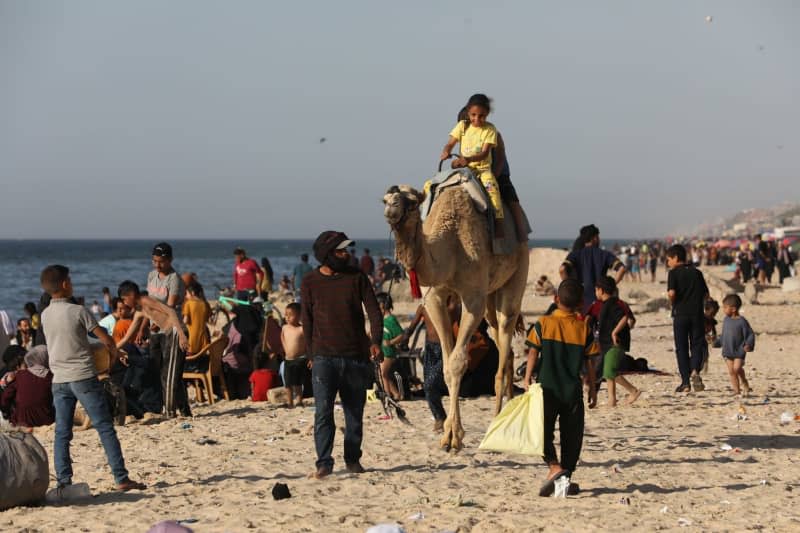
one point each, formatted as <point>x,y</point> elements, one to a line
<point>473,306</point>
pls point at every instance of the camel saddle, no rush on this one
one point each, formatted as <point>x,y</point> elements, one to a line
<point>466,178</point>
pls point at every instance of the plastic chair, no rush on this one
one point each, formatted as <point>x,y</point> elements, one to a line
<point>214,351</point>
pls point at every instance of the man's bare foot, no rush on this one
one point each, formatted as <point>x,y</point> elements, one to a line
<point>321,472</point>
<point>130,484</point>
<point>745,390</point>
<point>632,397</point>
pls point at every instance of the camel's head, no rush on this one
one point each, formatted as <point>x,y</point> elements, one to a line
<point>399,202</point>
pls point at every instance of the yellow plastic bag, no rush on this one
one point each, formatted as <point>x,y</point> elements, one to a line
<point>371,396</point>
<point>519,428</point>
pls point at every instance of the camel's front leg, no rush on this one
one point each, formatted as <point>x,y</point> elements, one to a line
<point>505,366</point>
<point>471,315</point>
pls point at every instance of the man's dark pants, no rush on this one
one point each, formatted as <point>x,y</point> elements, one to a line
<point>433,375</point>
<point>689,331</point>
<point>570,426</point>
<point>170,358</point>
<point>350,378</point>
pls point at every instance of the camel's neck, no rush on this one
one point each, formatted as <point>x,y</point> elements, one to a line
<point>413,251</point>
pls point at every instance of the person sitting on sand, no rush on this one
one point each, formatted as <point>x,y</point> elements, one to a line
<point>544,287</point>
<point>13,362</point>
<point>558,345</point>
<point>29,398</point>
<point>262,379</point>
<point>615,339</point>
<point>196,312</point>
<point>294,347</point>
<point>25,334</point>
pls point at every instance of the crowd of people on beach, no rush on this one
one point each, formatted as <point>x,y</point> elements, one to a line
<point>145,340</point>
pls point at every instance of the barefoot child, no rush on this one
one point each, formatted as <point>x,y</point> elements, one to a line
<point>66,327</point>
<point>294,345</point>
<point>614,338</point>
<point>558,345</point>
<point>737,339</point>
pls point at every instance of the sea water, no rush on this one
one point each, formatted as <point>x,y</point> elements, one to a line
<point>95,264</point>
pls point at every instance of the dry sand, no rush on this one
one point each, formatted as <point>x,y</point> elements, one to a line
<point>658,464</point>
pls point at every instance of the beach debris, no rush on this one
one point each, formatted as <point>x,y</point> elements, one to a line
<point>386,528</point>
<point>68,493</point>
<point>726,447</point>
<point>206,441</point>
<point>280,491</point>
<point>616,469</point>
<point>562,486</point>
<point>624,501</point>
<point>417,516</point>
<point>172,526</point>
<point>278,396</point>
<point>458,500</point>
<point>725,502</point>
<point>787,417</point>
<point>186,425</point>
<point>709,19</point>
<point>764,482</point>
<point>664,510</point>
<point>322,140</point>
<point>684,522</point>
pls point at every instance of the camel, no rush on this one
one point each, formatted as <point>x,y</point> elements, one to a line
<point>452,255</point>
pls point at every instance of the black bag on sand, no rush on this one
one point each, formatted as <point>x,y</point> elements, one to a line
<point>25,472</point>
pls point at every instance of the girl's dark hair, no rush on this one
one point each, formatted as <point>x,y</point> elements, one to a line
<point>30,308</point>
<point>481,100</point>
<point>196,289</point>
<point>266,265</point>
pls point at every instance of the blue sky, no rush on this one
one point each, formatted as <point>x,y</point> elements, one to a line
<point>203,119</point>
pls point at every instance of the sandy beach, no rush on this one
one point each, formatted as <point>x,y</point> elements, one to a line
<point>702,461</point>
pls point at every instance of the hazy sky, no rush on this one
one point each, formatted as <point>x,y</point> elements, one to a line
<point>203,119</point>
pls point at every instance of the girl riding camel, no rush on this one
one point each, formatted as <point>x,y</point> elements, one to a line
<point>482,149</point>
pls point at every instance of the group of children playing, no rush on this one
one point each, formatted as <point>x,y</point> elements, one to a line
<point>563,349</point>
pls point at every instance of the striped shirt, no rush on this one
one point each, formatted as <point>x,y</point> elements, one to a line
<point>563,341</point>
<point>333,314</point>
